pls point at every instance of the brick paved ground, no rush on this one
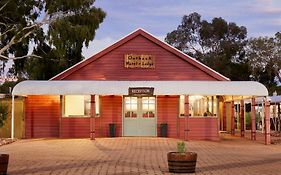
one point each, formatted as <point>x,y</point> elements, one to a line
<point>124,156</point>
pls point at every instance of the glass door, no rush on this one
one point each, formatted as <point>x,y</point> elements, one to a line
<point>139,116</point>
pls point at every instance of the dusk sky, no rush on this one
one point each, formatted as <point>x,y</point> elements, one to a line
<point>158,17</point>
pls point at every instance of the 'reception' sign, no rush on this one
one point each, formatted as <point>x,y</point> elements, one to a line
<point>141,91</point>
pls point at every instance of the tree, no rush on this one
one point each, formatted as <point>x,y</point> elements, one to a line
<point>263,54</point>
<point>3,113</point>
<point>55,30</point>
<point>218,44</point>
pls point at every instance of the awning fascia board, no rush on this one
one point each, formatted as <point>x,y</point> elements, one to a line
<point>63,87</point>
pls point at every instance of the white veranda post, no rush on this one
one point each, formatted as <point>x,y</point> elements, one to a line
<point>262,115</point>
<point>13,116</point>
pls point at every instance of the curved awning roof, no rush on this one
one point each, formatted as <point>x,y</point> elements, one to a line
<point>241,88</point>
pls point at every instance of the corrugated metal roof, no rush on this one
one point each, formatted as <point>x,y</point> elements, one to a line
<point>243,88</point>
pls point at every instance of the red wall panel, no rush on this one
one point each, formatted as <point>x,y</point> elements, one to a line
<point>42,115</point>
<point>204,128</point>
<point>110,112</point>
<point>75,127</point>
<point>167,112</point>
<point>168,66</point>
<point>182,122</point>
<point>199,128</point>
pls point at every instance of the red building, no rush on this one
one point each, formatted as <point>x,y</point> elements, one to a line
<point>137,84</point>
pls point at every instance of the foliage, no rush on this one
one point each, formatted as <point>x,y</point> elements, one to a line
<point>218,44</point>
<point>6,87</point>
<point>263,54</point>
<point>3,114</point>
<point>248,120</point>
<point>181,147</point>
<point>55,30</point>
<point>274,88</point>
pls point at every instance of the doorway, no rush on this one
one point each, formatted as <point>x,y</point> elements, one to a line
<point>139,116</point>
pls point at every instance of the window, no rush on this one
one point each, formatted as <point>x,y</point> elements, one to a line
<point>182,106</point>
<point>97,105</point>
<point>199,105</point>
<point>148,107</point>
<point>77,105</point>
<point>202,105</point>
<point>131,107</point>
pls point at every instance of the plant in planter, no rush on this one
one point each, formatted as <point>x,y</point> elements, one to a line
<point>4,158</point>
<point>182,161</point>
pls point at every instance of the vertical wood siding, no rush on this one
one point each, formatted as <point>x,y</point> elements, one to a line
<point>110,112</point>
<point>75,127</point>
<point>168,66</point>
<point>205,128</point>
<point>167,112</point>
<point>42,115</point>
<point>181,130</point>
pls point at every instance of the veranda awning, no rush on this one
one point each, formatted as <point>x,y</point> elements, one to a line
<point>240,88</point>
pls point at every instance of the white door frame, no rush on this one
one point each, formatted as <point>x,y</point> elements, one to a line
<point>139,116</point>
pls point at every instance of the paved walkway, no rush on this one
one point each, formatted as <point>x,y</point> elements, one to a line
<point>124,156</point>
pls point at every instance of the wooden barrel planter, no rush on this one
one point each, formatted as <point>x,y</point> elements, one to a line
<point>182,162</point>
<point>4,161</point>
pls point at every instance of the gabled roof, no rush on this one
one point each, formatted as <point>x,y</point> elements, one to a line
<point>151,38</point>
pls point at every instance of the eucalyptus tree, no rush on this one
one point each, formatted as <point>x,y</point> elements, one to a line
<point>44,37</point>
<point>264,55</point>
<point>218,44</point>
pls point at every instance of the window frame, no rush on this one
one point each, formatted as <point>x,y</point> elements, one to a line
<point>209,106</point>
<point>138,98</point>
<point>63,102</point>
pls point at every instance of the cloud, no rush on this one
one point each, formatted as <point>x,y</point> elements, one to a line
<point>266,7</point>
<point>260,17</point>
<point>276,22</point>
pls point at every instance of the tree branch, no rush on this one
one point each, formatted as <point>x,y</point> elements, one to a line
<point>30,29</point>
<point>3,24</point>
<point>5,32</point>
<point>4,6</point>
<point>17,58</point>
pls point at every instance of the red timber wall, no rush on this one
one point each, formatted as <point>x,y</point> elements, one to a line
<point>167,112</point>
<point>110,112</point>
<point>110,66</point>
<point>204,128</point>
<point>42,116</point>
<point>75,127</point>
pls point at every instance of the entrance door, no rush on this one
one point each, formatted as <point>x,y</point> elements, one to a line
<point>139,116</point>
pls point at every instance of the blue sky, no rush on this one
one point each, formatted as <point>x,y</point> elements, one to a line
<point>158,17</point>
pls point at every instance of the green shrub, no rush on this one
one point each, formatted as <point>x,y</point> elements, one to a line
<point>181,147</point>
<point>3,114</point>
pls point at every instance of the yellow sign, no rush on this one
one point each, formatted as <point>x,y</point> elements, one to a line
<point>139,61</point>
